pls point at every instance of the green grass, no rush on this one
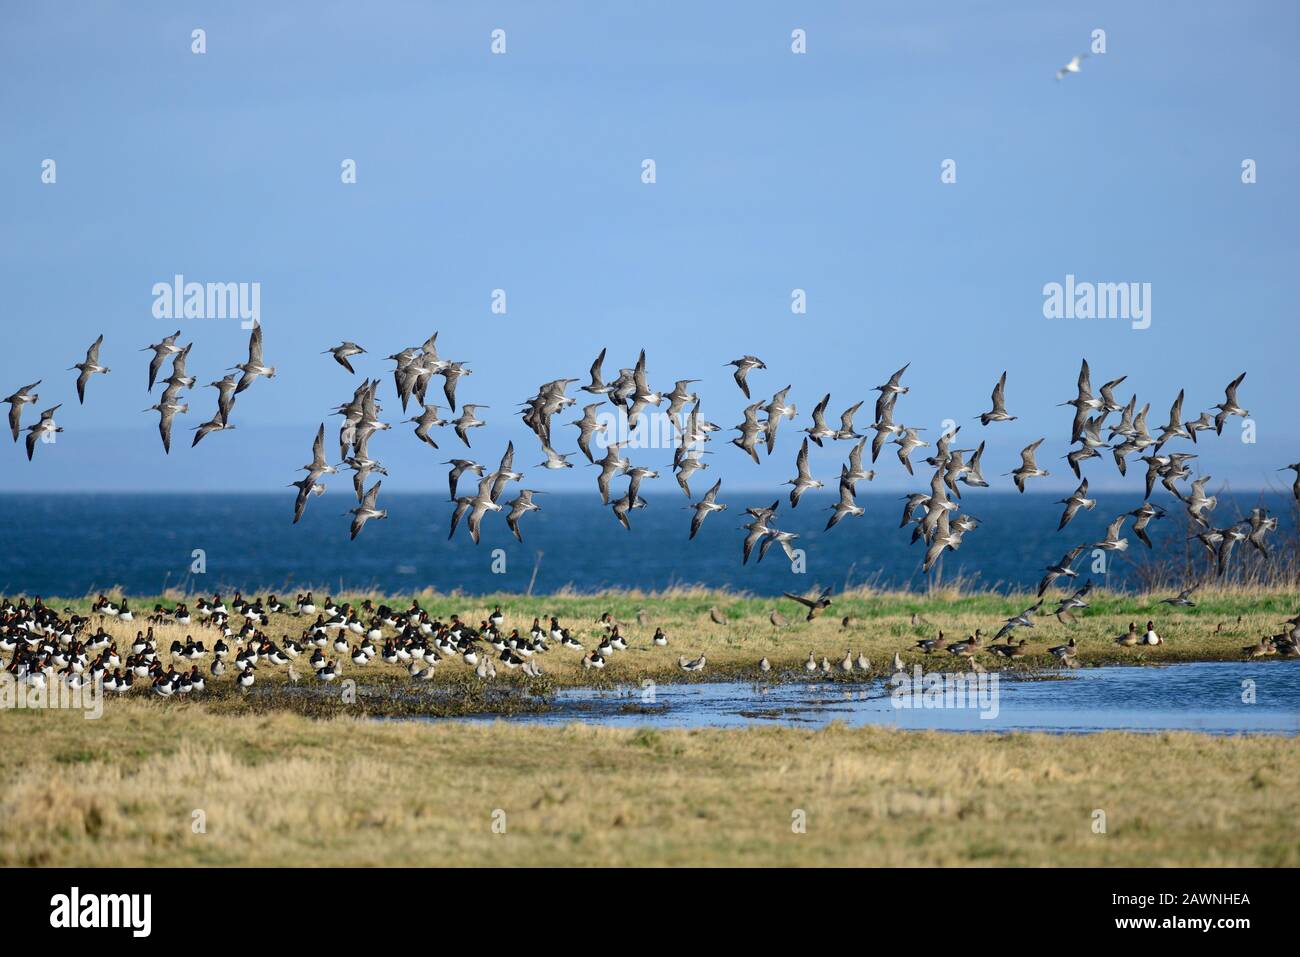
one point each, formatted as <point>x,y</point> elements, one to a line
<point>689,601</point>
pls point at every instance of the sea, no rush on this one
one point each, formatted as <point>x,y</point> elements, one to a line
<point>71,544</point>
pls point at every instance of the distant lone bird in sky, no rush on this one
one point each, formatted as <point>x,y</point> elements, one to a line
<point>1073,66</point>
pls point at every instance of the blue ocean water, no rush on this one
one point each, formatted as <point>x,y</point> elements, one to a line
<point>71,544</point>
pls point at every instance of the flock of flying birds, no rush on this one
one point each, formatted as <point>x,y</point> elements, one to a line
<point>937,516</point>
<point>169,404</point>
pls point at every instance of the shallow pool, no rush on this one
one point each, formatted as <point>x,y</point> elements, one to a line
<point>1215,698</point>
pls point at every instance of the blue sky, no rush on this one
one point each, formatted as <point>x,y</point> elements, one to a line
<point>522,172</point>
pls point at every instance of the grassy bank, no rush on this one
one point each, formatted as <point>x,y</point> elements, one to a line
<point>880,625</point>
<point>281,789</point>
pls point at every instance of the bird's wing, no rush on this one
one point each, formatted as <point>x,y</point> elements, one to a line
<point>999,391</point>
<point>712,494</point>
<point>1176,411</point>
<point>255,346</point>
<point>154,365</point>
<point>165,430</point>
<point>1085,379</point>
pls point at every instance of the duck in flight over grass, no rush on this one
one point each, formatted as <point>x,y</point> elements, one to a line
<point>816,605</point>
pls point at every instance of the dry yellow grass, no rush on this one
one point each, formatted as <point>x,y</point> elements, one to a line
<point>283,789</point>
